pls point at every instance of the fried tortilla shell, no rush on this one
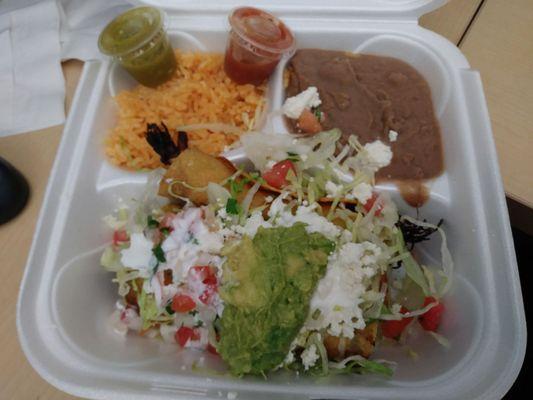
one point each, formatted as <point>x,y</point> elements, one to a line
<point>191,172</point>
<point>361,344</point>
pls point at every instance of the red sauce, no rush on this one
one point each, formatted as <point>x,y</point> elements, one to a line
<point>256,44</point>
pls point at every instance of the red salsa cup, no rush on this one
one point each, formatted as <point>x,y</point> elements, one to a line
<point>257,42</point>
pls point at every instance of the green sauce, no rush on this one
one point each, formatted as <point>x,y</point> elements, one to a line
<point>137,39</point>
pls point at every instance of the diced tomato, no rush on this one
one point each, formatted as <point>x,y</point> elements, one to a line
<point>383,280</point>
<point>183,303</point>
<point>370,203</point>
<point>167,277</point>
<point>184,334</point>
<point>393,329</point>
<point>119,237</point>
<point>157,236</point>
<point>277,175</point>
<point>207,274</point>
<point>166,221</point>
<point>430,320</point>
<point>211,349</point>
<point>207,295</point>
<point>308,122</point>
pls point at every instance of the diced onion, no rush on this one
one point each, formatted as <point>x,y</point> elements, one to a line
<point>249,197</point>
<point>217,193</point>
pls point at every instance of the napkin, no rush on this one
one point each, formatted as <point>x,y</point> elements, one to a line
<point>35,36</point>
<point>32,88</point>
<point>81,23</point>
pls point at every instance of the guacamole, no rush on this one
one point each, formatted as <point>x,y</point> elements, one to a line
<point>268,282</point>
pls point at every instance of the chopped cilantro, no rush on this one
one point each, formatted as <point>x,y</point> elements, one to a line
<point>232,207</point>
<point>199,324</point>
<point>384,310</point>
<point>256,177</point>
<point>159,253</point>
<point>293,157</point>
<point>236,187</point>
<point>192,239</point>
<point>318,112</point>
<point>151,222</point>
<point>169,309</point>
<point>165,231</point>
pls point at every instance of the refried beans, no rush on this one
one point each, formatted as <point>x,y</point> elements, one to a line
<point>369,96</point>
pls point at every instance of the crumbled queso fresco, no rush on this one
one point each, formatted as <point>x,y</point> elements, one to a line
<point>139,254</point>
<point>294,106</point>
<point>333,189</point>
<point>341,291</point>
<point>362,192</point>
<point>280,215</point>
<point>309,357</point>
<point>374,155</point>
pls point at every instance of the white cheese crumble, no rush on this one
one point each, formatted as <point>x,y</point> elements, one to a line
<point>289,358</point>
<point>280,215</point>
<point>393,135</point>
<point>362,192</point>
<point>294,106</point>
<point>252,224</point>
<point>191,243</point>
<point>374,156</point>
<point>139,254</point>
<point>332,189</point>
<point>309,357</point>
<point>340,293</point>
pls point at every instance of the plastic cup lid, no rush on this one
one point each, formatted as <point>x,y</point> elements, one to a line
<point>261,29</point>
<point>131,30</point>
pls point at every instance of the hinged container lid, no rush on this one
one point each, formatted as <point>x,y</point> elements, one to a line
<point>353,9</point>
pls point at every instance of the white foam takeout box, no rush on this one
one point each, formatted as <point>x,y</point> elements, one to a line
<point>66,297</point>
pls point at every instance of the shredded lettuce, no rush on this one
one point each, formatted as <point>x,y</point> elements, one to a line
<point>447,261</point>
<point>149,312</point>
<point>110,260</point>
<point>414,313</point>
<point>247,201</point>
<point>316,339</point>
<point>413,271</point>
<point>361,365</point>
<point>440,339</point>
<point>412,268</point>
<point>123,277</point>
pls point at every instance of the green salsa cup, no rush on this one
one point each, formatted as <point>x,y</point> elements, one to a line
<point>138,41</point>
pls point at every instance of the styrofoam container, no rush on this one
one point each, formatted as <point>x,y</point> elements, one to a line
<point>66,297</point>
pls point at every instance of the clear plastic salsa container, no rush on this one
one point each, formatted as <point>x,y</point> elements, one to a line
<point>256,43</point>
<point>138,41</point>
